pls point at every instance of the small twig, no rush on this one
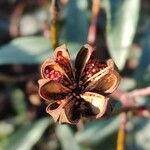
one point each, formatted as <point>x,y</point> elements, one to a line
<point>54,12</point>
<point>92,28</point>
<point>15,18</point>
<point>80,124</point>
<point>140,92</point>
<point>127,98</point>
<point>127,109</point>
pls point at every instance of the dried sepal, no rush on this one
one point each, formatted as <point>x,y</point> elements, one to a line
<point>62,57</point>
<point>98,103</point>
<point>62,111</point>
<point>57,111</point>
<point>49,89</point>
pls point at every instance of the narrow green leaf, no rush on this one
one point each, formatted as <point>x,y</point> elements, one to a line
<point>76,21</point>
<point>27,136</point>
<point>66,138</point>
<point>144,64</point>
<point>31,50</point>
<point>121,28</point>
<point>138,136</point>
<point>18,101</point>
<point>73,49</point>
<point>25,50</point>
<point>96,132</point>
<point>5,129</point>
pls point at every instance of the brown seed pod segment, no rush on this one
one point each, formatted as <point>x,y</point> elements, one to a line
<point>105,81</point>
<point>51,70</point>
<point>62,57</point>
<point>82,58</point>
<point>98,102</point>
<point>62,111</point>
<point>47,88</point>
<point>57,111</point>
<point>108,83</point>
<point>92,67</point>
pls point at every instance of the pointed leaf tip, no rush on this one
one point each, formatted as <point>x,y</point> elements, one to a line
<point>63,46</point>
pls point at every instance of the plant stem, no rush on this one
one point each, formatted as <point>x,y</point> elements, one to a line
<point>92,28</point>
<point>54,12</point>
<point>122,132</point>
<point>128,98</point>
<point>127,109</point>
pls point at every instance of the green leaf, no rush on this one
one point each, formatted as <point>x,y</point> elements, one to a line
<point>76,26</point>
<point>73,49</point>
<point>66,138</point>
<point>121,27</point>
<point>25,50</point>
<point>127,84</point>
<point>96,132</point>
<point>31,50</point>
<point>141,136</point>
<point>5,129</point>
<point>138,136</point>
<point>27,136</point>
<point>144,61</point>
<point>18,101</point>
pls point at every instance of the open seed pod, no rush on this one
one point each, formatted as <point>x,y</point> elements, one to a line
<point>83,92</point>
<point>89,68</point>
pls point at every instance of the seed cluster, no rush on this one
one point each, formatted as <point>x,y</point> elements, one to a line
<point>93,66</point>
<point>64,63</point>
<point>53,75</point>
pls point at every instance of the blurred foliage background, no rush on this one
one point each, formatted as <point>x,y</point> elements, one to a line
<point>25,44</point>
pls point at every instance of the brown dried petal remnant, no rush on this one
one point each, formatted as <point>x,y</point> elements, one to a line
<point>77,91</point>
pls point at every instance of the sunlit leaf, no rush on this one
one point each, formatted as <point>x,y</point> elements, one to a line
<point>31,50</point>
<point>5,129</point>
<point>97,131</point>
<point>25,50</point>
<point>127,84</point>
<point>138,136</point>
<point>27,136</point>
<point>122,18</point>
<point>76,26</point>
<point>144,65</point>
<point>66,138</point>
<point>18,100</point>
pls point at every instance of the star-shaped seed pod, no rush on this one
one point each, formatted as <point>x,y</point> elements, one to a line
<point>80,90</point>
